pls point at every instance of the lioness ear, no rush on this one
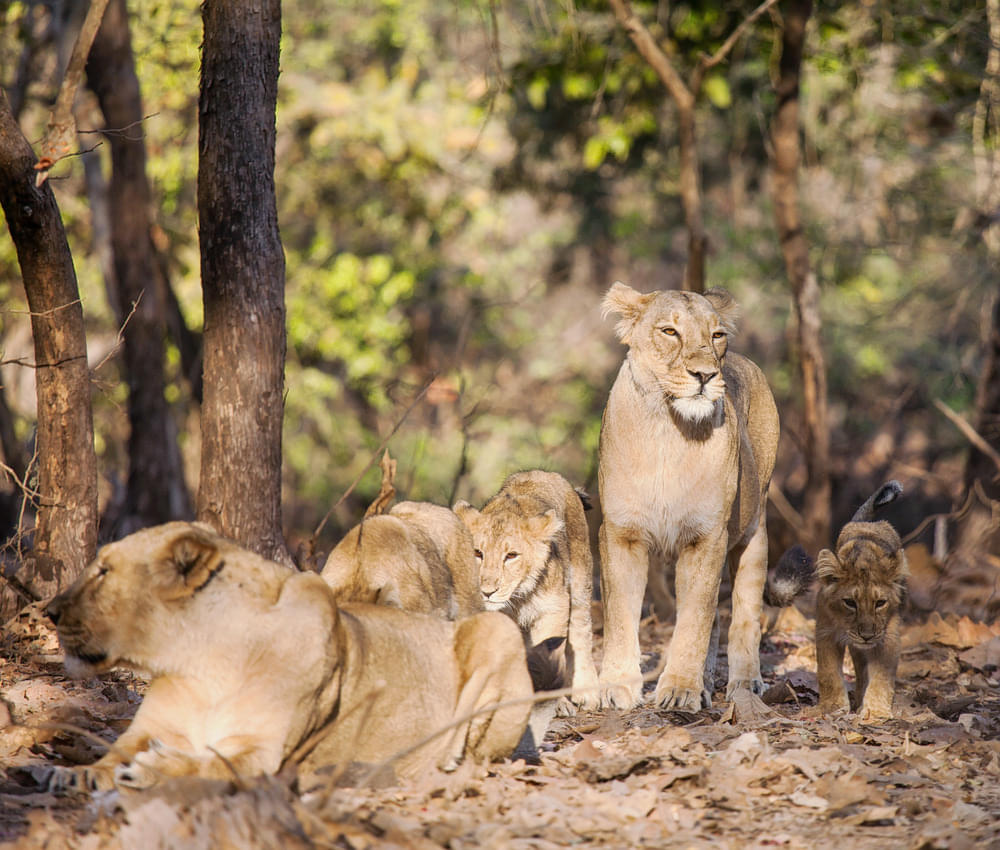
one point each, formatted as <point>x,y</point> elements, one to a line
<point>546,526</point>
<point>388,594</point>
<point>193,560</point>
<point>827,567</point>
<point>627,303</point>
<point>725,305</point>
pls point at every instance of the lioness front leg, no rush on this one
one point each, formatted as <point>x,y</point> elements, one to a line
<point>99,776</point>
<point>749,576</point>
<point>699,572</point>
<point>624,568</point>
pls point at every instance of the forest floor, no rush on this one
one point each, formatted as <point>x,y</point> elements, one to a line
<point>928,779</point>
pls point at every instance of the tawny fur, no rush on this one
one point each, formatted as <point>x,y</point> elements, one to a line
<point>535,565</point>
<point>688,443</point>
<point>254,666</point>
<point>417,557</point>
<point>862,584</point>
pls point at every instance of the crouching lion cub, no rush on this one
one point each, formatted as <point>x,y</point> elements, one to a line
<point>417,557</point>
<point>253,666</point>
<point>535,565</point>
<point>688,443</point>
<point>862,584</point>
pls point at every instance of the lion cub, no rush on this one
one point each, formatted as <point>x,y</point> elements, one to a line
<point>417,557</point>
<point>535,565</point>
<point>861,588</point>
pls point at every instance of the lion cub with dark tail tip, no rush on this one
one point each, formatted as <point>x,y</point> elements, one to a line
<point>535,565</point>
<point>862,584</point>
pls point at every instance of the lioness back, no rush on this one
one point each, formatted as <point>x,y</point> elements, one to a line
<point>535,565</point>
<point>418,557</point>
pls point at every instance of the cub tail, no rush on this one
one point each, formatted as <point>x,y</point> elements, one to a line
<point>887,493</point>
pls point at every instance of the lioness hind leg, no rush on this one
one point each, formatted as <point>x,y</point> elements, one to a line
<point>492,670</point>
<point>624,568</point>
<point>749,574</point>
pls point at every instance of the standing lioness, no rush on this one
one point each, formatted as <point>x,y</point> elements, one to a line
<point>688,443</point>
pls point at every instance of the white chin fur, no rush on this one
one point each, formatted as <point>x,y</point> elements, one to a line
<point>77,668</point>
<point>693,409</point>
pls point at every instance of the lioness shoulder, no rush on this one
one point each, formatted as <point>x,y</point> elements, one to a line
<point>253,666</point>
<point>535,564</point>
<point>688,443</point>
<point>417,557</point>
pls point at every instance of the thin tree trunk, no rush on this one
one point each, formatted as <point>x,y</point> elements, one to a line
<point>66,532</point>
<point>979,525</point>
<point>243,275</point>
<point>156,491</point>
<point>794,247</point>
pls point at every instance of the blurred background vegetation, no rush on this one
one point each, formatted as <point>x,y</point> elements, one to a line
<point>459,183</point>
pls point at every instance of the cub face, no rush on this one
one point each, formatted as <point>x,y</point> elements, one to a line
<point>511,552</point>
<point>862,584</point>
<point>678,342</point>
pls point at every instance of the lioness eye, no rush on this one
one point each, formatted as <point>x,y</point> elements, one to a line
<point>719,335</point>
<point>510,556</point>
<point>668,331</point>
<point>478,553</point>
<point>880,603</point>
<point>851,604</point>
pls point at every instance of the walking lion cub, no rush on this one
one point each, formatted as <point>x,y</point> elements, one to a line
<point>535,565</point>
<point>254,666</point>
<point>862,583</point>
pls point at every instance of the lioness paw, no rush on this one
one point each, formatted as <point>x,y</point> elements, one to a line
<point>78,780</point>
<point>755,686</point>
<point>674,692</point>
<point>620,697</point>
<point>874,713</point>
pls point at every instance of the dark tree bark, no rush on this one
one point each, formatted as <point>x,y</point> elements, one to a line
<point>243,275</point>
<point>156,491</point>
<point>66,532</point>
<point>795,248</point>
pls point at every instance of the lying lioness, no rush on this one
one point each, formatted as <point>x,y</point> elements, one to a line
<point>254,666</point>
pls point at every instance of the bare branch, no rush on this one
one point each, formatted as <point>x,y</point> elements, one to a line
<point>969,433</point>
<point>61,132</point>
<point>119,341</point>
<point>708,62</point>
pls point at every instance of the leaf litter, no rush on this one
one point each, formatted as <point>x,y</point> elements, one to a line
<point>740,776</point>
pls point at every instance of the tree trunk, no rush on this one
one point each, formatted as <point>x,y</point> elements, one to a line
<point>243,275</point>
<point>156,491</point>
<point>66,531</point>
<point>785,142</point>
<point>978,527</point>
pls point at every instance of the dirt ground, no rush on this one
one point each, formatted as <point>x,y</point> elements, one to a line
<point>928,779</point>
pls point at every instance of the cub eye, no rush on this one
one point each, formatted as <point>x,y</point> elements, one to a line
<point>668,331</point>
<point>478,553</point>
<point>510,556</point>
<point>881,603</point>
<point>850,604</point>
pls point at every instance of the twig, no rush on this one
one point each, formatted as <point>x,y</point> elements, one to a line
<point>374,458</point>
<point>970,434</point>
<point>121,333</point>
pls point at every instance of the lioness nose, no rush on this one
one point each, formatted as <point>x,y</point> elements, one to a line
<point>704,377</point>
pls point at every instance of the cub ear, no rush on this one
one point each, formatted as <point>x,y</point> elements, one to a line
<point>627,303</point>
<point>546,526</point>
<point>725,305</point>
<point>388,594</point>
<point>827,567</point>
<point>192,560</point>
<point>465,512</point>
